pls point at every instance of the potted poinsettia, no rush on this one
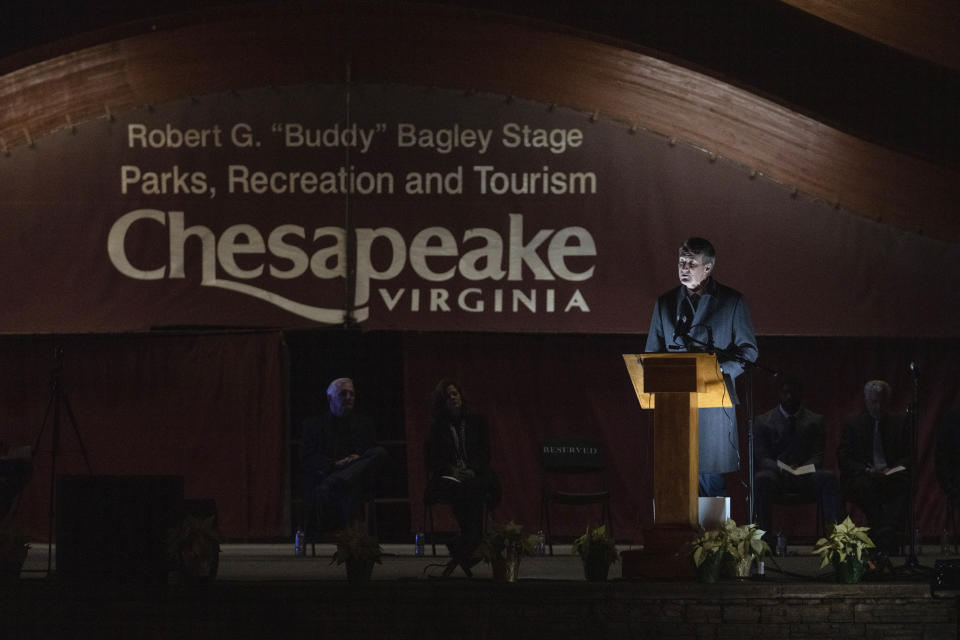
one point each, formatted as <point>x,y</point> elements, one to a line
<point>708,550</point>
<point>358,550</point>
<point>503,546</point>
<point>844,548</point>
<point>744,545</point>
<point>598,551</point>
<point>194,549</point>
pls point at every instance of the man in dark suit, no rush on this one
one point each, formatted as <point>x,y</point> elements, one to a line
<point>793,436</point>
<point>702,315</point>
<point>339,458</point>
<point>874,456</point>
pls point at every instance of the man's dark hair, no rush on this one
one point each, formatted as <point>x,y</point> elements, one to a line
<point>700,247</point>
<point>792,380</point>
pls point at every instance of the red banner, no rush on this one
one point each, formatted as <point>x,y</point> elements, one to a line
<point>404,208</point>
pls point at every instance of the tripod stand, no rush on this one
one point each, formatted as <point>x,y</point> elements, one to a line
<point>57,402</point>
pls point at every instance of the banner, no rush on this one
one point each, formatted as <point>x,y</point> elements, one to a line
<point>397,207</point>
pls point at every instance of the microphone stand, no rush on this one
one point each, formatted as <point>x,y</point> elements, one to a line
<point>911,564</point>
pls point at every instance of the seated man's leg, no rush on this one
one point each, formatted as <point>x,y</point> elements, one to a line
<point>363,471</point>
<point>767,486</point>
<point>827,491</point>
<point>893,491</point>
<point>864,492</point>
<point>329,503</point>
<point>358,478</point>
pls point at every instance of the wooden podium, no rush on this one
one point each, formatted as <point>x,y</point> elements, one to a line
<point>675,386</point>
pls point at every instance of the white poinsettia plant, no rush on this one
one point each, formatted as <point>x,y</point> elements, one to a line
<point>846,540</point>
<point>740,542</point>
<point>745,541</point>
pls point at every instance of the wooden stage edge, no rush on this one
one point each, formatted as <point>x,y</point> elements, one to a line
<point>263,591</point>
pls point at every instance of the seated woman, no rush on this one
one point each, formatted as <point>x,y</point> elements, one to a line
<point>458,461</point>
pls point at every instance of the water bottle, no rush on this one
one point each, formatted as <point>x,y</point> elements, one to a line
<point>418,544</point>
<point>540,549</point>
<point>299,544</point>
<point>760,574</point>
<point>781,549</point>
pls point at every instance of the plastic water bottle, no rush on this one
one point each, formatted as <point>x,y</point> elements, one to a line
<point>418,549</point>
<point>540,549</point>
<point>299,544</point>
<point>781,549</point>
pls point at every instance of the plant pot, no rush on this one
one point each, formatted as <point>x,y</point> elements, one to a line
<point>506,568</point>
<point>196,568</point>
<point>596,567</point>
<point>849,571</point>
<point>741,568</point>
<point>359,570</point>
<point>709,569</point>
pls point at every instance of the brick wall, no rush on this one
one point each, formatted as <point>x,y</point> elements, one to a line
<point>481,609</point>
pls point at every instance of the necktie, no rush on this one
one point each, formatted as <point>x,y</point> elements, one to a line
<point>879,460</point>
<point>788,440</point>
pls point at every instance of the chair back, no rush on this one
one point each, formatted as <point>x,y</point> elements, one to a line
<point>572,454</point>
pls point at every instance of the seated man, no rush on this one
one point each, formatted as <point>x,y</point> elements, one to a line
<point>874,456</point>
<point>339,458</point>
<point>788,438</point>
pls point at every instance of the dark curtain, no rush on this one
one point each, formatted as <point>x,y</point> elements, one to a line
<point>208,407</point>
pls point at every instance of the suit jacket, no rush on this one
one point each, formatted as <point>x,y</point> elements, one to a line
<point>855,451</point>
<point>723,310</point>
<point>326,439</point>
<point>773,440</point>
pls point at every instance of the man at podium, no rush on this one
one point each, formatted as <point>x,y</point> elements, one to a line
<point>702,315</point>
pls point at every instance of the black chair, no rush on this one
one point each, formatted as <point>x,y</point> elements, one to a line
<point>800,499</point>
<point>576,460</point>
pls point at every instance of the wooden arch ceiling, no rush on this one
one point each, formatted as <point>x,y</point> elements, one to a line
<point>254,47</point>
<point>927,29</point>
